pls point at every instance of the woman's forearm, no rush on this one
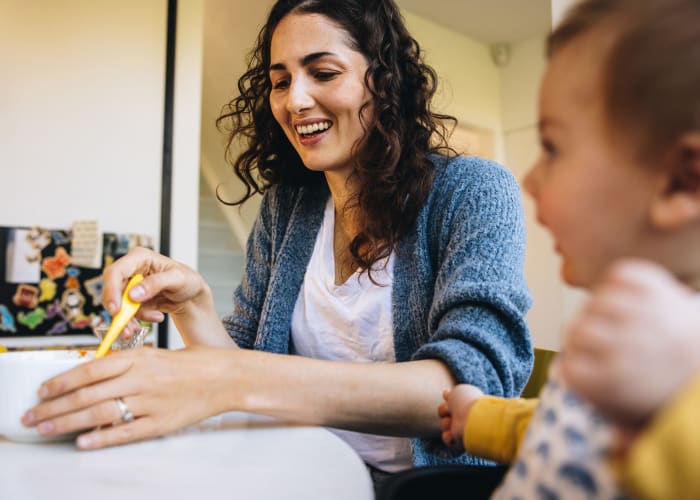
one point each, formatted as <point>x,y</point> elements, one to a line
<point>392,399</point>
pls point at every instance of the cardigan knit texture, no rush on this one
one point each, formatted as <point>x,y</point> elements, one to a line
<point>459,294</point>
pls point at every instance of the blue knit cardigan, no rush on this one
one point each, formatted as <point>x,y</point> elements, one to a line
<point>459,293</point>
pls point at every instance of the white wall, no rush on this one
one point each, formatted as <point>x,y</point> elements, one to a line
<point>555,303</point>
<point>230,31</point>
<point>521,79</point>
<point>468,81</point>
<point>81,112</point>
<point>559,8</point>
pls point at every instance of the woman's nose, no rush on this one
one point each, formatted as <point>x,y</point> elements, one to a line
<point>299,97</point>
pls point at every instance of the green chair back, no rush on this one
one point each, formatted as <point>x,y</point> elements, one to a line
<point>540,369</point>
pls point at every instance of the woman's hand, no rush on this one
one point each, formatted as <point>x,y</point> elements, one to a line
<point>164,390</point>
<point>454,412</point>
<point>635,343</point>
<point>167,287</point>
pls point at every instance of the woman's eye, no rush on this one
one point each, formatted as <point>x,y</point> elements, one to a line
<point>325,75</point>
<point>280,84</point>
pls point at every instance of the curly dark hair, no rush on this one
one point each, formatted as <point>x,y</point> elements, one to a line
<point>391,164</point>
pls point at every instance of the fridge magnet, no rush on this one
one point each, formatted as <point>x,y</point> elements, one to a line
<point>58,328</point>
<point>72,279</point>
<point>38,239</point>
<point>72,303</point>
<point>55,267</point>
<point>48,290</point>
<point>54,310</point>
<point>60,238</point>
<point>7,321</point>
<point>94,289</point>
<point>26,296</point>
<point>32,319</point>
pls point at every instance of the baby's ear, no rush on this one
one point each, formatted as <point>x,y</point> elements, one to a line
<point>678,203</point>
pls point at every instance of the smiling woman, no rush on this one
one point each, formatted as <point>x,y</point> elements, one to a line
<point>390,267</point>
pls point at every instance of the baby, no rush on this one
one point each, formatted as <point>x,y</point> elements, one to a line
<point>618,186</point>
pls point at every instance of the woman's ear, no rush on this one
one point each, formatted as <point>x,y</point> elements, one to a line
<point>678,202</point>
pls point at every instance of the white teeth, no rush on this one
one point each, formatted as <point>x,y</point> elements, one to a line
<point>314,127</point>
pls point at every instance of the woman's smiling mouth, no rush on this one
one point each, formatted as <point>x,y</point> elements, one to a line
<point>309,130</point>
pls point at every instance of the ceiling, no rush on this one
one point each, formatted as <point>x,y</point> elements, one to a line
<point>487,21</point>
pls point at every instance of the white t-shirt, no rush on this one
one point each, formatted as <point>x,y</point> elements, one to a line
<point>349,322</point>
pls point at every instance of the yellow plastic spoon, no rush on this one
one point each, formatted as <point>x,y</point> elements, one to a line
<point>119,321</point>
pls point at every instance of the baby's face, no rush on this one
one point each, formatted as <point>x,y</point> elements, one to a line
<point>588,190</point>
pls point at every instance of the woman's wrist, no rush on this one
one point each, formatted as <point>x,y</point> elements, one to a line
<point>199,323</point>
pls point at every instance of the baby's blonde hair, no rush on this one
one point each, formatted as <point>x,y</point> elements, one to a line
<point>651,74</point>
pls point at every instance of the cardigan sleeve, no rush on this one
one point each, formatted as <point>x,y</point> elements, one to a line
<point>475,234</point>
<point>249,297</point>
<point>477,316</point>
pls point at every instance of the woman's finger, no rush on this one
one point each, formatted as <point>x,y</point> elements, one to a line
<point>131,329</point>
<point>116,275</point>
<point>101,414</point>
<point>136,430</point>
<point>86,374</point>
<point>150,315</point>
<point>71,402</point>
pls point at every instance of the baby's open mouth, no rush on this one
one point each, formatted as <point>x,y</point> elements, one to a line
<point>313,128</point>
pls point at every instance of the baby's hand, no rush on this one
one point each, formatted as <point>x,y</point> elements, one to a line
<point>635,343</point>
<point>454,412</point>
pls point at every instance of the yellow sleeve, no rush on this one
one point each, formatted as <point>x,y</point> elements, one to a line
<point>664,461</point>
<point>496,426</point>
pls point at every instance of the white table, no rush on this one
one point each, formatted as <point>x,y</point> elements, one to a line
<point>232,456</point>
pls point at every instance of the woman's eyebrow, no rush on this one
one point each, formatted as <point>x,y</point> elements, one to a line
<point>305,61</point>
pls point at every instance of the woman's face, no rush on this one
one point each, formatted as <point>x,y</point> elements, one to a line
<point>317,91</point>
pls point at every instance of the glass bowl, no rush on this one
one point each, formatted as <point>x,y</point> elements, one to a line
<point>119,344</point>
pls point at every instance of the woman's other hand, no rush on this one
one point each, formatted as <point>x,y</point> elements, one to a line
<point>167,287</point>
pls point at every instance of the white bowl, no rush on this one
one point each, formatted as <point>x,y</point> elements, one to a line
<point>21,374</point>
